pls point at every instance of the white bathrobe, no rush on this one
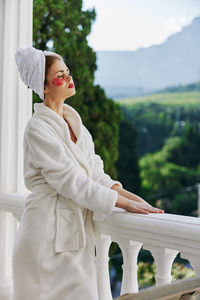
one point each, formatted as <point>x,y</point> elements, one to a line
<point>53,255</point>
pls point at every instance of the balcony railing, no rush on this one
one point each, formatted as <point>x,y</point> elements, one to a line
<point>164,235</point>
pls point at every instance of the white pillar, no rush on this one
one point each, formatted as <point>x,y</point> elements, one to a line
<point>130,250</point>
<point>163,259</point>
<point>15,97</point>
<point>102,243</point>
<point>15,111</point>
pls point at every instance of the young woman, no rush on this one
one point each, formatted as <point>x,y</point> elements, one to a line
<point>53,255</point>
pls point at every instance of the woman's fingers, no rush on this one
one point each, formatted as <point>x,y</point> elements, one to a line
<point>147,205</point>
<point>156,210</point>
<point>139,210</point>
<point>142,208</point>
<point>152,208</point>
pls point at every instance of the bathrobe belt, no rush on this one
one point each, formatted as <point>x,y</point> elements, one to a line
<point>42,188</point>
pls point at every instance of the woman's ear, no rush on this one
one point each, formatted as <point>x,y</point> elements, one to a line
<point>45,90</point>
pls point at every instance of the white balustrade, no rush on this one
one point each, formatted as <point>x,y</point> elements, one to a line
<point>11,209</point>
<point>164,235</point>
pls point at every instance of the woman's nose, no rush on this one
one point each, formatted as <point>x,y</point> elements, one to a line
<point>68,77</point>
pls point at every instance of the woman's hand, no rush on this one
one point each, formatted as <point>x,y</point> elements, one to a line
<point>136,206</point>
<point>133,203</point>
<point>143,208</point>
<point>147,205</point>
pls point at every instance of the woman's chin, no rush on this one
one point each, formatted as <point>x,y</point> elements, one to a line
<point>72,93</point>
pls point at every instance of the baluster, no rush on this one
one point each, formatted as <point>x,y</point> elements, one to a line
<point>102,243</point>
<point>130,250</point>
<point>164,258</point>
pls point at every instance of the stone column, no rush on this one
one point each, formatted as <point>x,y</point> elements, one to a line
<point>130,250</point>
<point>163,259</point>
<point>15,111</point>
<point>102,243</point>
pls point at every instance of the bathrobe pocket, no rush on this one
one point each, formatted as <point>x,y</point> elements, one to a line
<point>66,238</point>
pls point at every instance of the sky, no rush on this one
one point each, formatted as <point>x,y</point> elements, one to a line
<point>132,24</point>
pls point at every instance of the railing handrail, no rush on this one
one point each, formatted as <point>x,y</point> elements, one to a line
<point>12,202</point>
<point>153,229</point>
<point>159,225</point>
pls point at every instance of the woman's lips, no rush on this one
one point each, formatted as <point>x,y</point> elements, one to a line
<point>71,85</point>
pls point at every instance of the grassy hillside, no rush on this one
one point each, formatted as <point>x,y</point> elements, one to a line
<point>180,98</point>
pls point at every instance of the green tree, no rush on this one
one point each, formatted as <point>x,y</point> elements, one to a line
<point>156,122</point>
<point>127,164</point>
<point>186,152</point>
<point>63,27</point>
<point>147,271</point>
<point>166,181</point>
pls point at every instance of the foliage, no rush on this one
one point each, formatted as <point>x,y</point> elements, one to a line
<point>147,271</point>
<point>115,252</point>
<point>168,146</point>
<point>186,152</point>
<point>165,176</point>
<point>127,164</point>
<point>159,174</point>
<point>156,122</point>
<point>185,203</point>
<point>63,27</point>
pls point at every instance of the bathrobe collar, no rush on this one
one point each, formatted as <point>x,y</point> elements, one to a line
<point>70,114</point>
<point>47,114</point>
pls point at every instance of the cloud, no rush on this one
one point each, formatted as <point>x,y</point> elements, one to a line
<point>173,24</point>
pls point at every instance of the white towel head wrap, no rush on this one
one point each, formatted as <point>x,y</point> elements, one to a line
<point>31,66</point>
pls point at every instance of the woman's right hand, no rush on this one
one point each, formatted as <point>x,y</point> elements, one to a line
<point>135,206</point>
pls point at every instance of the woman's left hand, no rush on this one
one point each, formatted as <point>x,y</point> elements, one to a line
<point>134,197</point>
<point>149,205</point>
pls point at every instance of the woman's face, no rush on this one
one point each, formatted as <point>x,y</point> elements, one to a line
<point>60,84</point>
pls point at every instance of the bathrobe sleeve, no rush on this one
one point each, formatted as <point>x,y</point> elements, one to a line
<point>98,166</point>
<point>48,155</point>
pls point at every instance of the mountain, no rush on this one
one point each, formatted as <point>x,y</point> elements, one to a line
<point>146,70</point>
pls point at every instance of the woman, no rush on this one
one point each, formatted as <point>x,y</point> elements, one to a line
<point>53,256</point>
